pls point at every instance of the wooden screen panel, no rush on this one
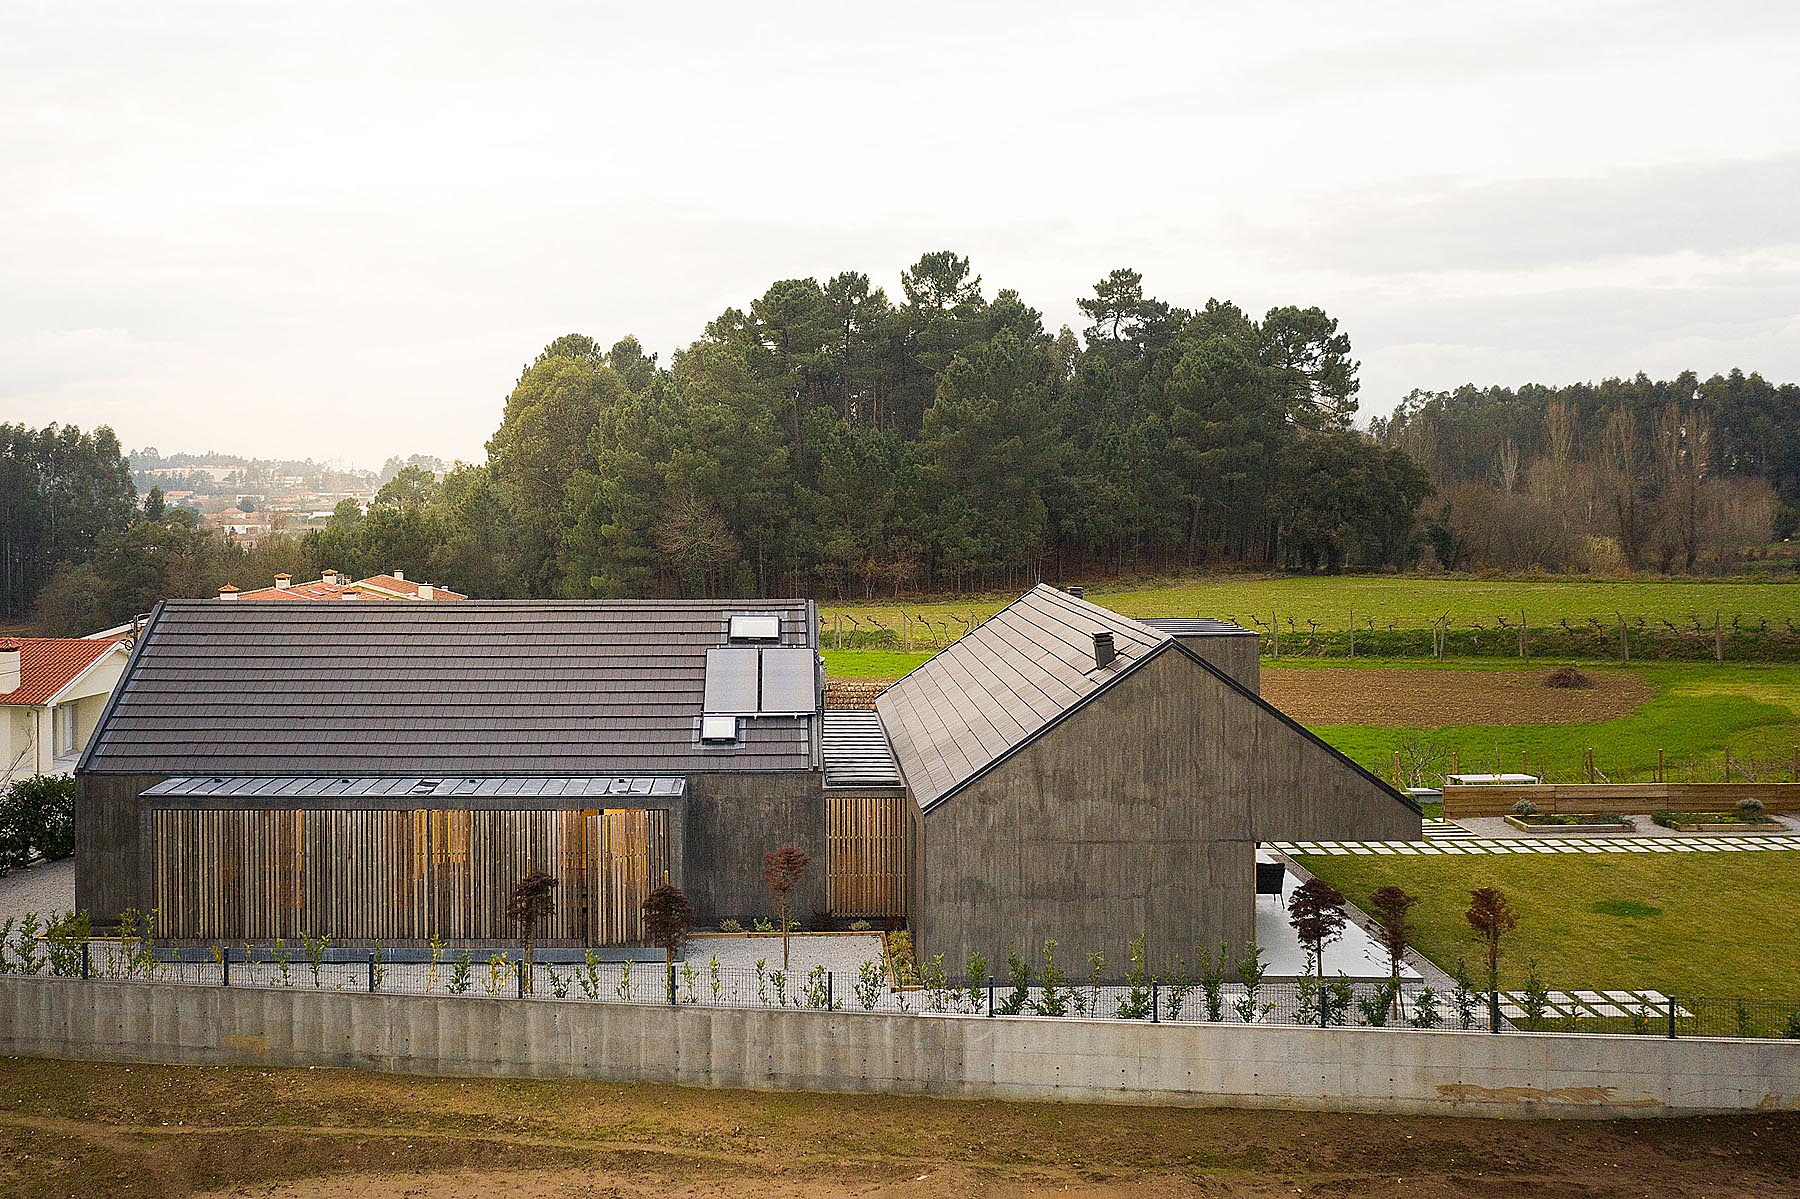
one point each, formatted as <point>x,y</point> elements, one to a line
<point>865,855</point>
<point>632,861</point>
<point>226,875</point>
<point>390,875</point>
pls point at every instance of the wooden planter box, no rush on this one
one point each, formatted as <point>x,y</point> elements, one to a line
<point>1558,830</point>
<point>1728,826</point>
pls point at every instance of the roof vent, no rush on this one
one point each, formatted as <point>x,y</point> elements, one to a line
<point>718,730</point>
<point>1078,592</point>
<point>1104,650</point>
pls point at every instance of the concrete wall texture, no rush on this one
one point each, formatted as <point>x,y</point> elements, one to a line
<point>1379,1070</point>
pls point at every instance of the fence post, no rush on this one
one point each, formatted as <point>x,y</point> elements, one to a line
<point>1671,1017</point>
<point>671,984</point>
<point>990,999</point>
<point>84,959</point>
<point>1155,1010</point>
<point>1494,1010</point>
<point>371,971</point>
<point>830,1003</point>
<point>519,978</point>
<point>228,965</point>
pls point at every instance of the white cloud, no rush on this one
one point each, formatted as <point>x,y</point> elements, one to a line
<point>339,229</point>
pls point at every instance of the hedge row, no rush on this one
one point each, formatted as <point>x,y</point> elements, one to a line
<point>37,817</point>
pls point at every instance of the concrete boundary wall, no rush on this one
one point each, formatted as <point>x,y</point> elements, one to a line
<point>1376,1070</point>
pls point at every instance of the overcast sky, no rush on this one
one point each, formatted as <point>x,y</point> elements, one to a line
<point>338,231</point>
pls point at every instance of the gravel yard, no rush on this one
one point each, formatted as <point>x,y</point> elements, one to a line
<point>42,889</point>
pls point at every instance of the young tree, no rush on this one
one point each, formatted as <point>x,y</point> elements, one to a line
<point>1317,914</point>
<point>1389,906</point>
<point>782,869</point>
<point>1492,918</point>
<point>533,900</point>
<point>667,917</point>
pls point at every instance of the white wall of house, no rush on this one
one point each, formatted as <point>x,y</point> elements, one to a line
<point>48,738</point>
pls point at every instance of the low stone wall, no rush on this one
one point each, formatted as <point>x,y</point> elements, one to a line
<point>1376,1070</point>
<point>842,695</point>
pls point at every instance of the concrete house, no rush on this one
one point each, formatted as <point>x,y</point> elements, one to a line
<point>52,691</point>
<point>1061,772</point>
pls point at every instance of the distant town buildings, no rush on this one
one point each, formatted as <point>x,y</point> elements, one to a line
<point>331,585</point>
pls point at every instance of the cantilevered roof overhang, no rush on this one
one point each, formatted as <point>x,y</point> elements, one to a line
<point>299,788</point>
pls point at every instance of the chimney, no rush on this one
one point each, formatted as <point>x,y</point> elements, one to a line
<point>1078,592</point>
<point>1104,651</point>
<point>228,592</point>
<point>328,577</point>
<point>282,581</point>
<point>11,676</point>
<point>400,574</point>
<point>426,591</point>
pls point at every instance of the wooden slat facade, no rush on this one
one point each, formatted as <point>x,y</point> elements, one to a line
<point>866,864</point>
<point>398,876</point>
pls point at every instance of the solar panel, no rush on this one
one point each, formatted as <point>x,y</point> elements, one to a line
<point>787,682</point>
<point>730,680</point>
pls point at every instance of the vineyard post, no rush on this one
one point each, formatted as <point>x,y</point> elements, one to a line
<point>1727,776</point>
<point>1718,639</point>
<point>1396,768</point>
<point>1353,632</point>
<point>1524,638</point>
<point>1794,770</point>
<point>1624,639</point>
<point>1659,767</point>
<point>1275,630</point>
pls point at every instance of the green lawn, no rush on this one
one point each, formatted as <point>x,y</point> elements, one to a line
<point>1701,924</point>
<point>870,663</point>
<point>1697,712</point>
<point>1409,601</point>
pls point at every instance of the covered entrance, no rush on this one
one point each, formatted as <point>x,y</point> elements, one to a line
<point>406,860</point>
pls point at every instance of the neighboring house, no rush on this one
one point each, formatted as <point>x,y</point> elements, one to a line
<point>52,691</point>
<point>332,586</point>
<point>399,766</point>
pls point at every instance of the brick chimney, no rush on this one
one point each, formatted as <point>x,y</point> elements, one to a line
<point>228,592</point>
<point>282,581</point>
<point>10,674</point>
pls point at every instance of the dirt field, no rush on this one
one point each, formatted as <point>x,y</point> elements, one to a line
<point>1443,698</point>
<point>147,1132</point>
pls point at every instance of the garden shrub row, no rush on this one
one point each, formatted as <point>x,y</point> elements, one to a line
<point>37,819</point>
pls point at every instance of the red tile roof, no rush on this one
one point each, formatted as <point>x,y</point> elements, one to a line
<point>47,664</point>
<point>407,587</point>
<point>377,587</point>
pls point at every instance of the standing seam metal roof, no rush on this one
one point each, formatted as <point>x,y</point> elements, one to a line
<point>1001,685</point>
<point>518,687</point>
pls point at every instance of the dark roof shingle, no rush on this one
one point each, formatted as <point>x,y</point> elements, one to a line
<point>476,687</point>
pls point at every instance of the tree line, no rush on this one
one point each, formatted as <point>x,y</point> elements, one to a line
<point>1682,475</point>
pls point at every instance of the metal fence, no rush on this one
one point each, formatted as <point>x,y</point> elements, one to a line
<point>1336,1003</point>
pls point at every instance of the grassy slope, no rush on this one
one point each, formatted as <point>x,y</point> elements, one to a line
<point>1412,602</point>
<point>1716,931</point>
<point>1697,712</point>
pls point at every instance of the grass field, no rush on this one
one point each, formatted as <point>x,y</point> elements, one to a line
<point>1713,924</point>
<point>1694,715</point>
<point>163,1132</point>
<point>1411,601</point>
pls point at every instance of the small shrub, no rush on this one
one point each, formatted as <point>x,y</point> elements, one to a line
<point>779,979</point>
<point>1665,818</point>
<point>588,976</point>
<point>1212,981</point>
<point>937,985</point>
<point>900,951</point>
<point>762,924</point>
<point>1534,999</point>
<point>1136,1003</point>
<point>817,992</point>
<point>1018,974</point>
<point>559,983</point>
<point>975,976</point>
<point>1340,992</point>
<point>733,925</point>
<point>1750,808</point>
<point>870,983</point>
<point>861,926</point>
<point>64,938</point>
<point>1374,1006</point>
<point>1463,1000</point>
<point>1250,968</point>
<point>1425,1010</point>
<point>1180,986</point>
<point>1053,1002</point>
<point>622,988</point>
<point>315,953</point>
<point>1567,678</point>
<point>1525,808</point>
<point>1792,1031</point>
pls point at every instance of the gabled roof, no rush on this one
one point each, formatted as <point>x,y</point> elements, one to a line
<point>481,687</point>
<point>48,664</point>
<point>1002,684</point>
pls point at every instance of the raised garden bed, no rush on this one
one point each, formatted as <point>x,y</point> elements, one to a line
<point>1567,823</point>
<point>1717,822</point>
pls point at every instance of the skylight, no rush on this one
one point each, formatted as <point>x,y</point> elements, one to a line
<point>718,730</point>
<point>755,628</point>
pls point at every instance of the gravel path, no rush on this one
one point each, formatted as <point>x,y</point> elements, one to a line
<point>42,889</point>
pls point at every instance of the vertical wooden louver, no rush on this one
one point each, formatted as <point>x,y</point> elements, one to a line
<point>866,862</point>
<point>401,875</point>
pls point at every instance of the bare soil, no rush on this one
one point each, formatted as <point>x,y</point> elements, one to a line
<point>1442,698</point>
<point>150,1132</point>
